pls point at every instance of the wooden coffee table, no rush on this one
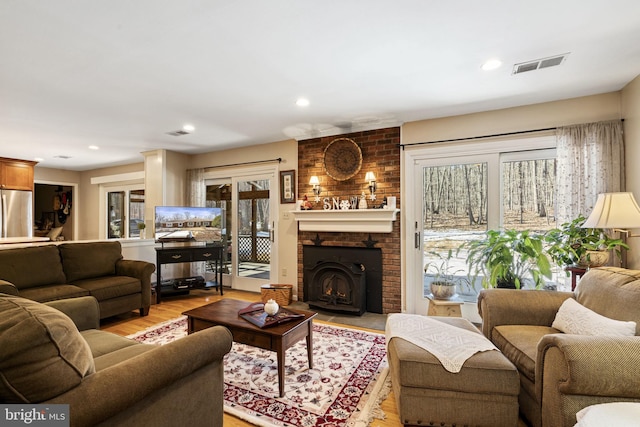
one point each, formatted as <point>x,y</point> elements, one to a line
<point>274,338</point>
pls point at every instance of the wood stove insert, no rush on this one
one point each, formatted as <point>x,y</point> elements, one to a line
<point>343,279</point>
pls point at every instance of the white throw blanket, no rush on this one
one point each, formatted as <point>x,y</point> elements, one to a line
<point>450,344</point>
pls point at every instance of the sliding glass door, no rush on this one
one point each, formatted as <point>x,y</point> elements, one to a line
<point>463,190</point>
<point>250,228</point>
<point>453,209</point>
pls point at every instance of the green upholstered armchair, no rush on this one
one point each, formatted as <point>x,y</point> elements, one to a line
<point>107,380</point>
<point>561,373</point>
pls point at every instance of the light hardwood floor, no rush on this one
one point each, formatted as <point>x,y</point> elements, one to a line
<point>173,307</point>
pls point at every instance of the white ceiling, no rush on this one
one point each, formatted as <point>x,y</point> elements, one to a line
<point>120,74</point>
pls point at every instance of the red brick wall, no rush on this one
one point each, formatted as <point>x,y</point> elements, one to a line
<point>381,155</point>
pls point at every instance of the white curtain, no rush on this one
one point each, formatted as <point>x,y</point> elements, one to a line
<point>196,196</point>
<point>590,161</point>
<point>197,191</point>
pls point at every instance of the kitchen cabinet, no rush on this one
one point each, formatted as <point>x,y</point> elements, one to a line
<point>16,174</point>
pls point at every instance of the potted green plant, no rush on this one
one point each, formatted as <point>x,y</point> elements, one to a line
<point>571,244</point>
<point>506,259</point>
<point>141,227</point>
<point>444,274</point>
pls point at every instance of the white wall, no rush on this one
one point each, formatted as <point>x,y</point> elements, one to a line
<point>537,116</point>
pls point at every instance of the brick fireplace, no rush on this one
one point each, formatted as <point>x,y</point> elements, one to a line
<point>381,155</point>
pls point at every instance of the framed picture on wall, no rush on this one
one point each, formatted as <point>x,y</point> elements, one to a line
<point>288,186</point>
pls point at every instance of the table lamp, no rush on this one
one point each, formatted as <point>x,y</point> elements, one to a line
<point>617,211</point>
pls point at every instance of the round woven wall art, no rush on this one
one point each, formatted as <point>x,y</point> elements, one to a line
<point>342,159</point>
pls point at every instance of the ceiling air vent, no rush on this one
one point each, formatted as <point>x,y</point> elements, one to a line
<point>539,64</point>
<point>178,133</point>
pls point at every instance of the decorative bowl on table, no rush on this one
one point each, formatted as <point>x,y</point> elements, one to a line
<point>443,290</point>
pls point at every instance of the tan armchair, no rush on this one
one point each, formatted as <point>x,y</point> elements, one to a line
<point>562,373</point>
<point>107,380</point>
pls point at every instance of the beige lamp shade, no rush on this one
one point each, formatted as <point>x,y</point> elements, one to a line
<point>314,180</point>
<point>614,210</point>
<point>369,177</point>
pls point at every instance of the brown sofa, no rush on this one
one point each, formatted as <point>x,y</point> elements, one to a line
<point>106,379</point>
<point>69,270</point>
<point>561,373</point>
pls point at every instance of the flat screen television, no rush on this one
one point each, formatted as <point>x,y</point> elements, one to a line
<point>188,223</point>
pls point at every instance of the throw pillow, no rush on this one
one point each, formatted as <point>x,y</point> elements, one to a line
<point>609,414</point>
<point>574,318</point>
<point>42,354</point>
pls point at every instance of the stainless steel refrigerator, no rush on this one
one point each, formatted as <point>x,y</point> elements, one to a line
<point>16,213</point>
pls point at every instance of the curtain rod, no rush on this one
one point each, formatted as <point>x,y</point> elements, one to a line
<point>478,137</point>
<point>482,136</point>
<point>255,162</point>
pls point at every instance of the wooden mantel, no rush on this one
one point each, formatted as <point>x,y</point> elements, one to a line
<point>350,220</point>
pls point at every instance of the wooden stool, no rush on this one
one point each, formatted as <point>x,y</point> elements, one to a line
<point>446,308</point>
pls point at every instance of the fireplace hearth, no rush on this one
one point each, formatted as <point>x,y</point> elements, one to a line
<point>343,279</point>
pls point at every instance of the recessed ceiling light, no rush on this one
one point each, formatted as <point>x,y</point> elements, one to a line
<point>188,128</point>
<point>302,102</point>
<point>94,147</point>
<point>38,159</point>
<point>491,64</point>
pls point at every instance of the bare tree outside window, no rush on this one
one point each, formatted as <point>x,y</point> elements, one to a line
<point>528,196</point>
<point>455,197</point>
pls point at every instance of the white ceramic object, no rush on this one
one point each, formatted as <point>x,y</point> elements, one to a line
<point>391,202</point>
<point>271,307</point>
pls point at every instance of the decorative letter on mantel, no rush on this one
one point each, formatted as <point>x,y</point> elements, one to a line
<point>335,203</point>
<point>347,220</point>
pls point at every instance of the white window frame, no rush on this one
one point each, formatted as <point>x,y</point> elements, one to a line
<point>114,183</point>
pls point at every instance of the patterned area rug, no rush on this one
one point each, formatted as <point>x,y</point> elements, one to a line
<point>348,381</point>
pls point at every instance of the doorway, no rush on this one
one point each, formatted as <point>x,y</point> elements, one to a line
<point>53,209</point>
